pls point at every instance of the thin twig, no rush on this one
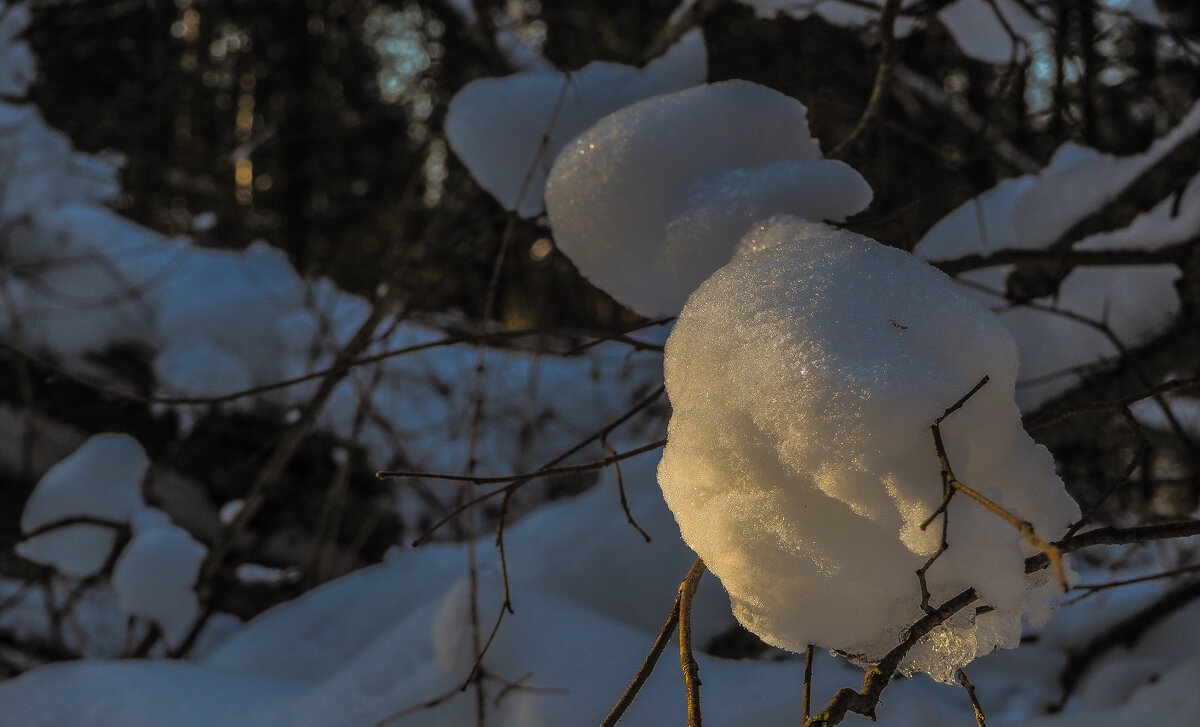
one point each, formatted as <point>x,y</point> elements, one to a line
<point>603,431</point>
<point>447,340</point>
<point>1094,588</point>
<point>477,399</point>
<point>1138,460</point>
<point>808,660</point>
<point>74,520</point>
<point>1125,632</point>
<point>980,719</point>
<point>933,94</point>
<point>1053,417</point>
<point>623,337</point>
<point>877,678</point>
<point>1050,550</point>
<point>520,686</point>
<point>691,670</point>
<point>883,76</point>
<point>690,18</point>
<point>1127,536</point>
<point>621,489</point>
<point>523,477</point>
<point>647,667</point>
<point>289,443</point>
<point>1126,359</point>
<point>1176,254</point>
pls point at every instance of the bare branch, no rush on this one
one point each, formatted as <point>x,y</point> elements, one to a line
<point>1175,254</point>
<point>808,660</point>
<point>693,16</point>
<point>877,678</point>
<point>656,651</point>
<point>980,719</point>
<point>73,520</point>
<point>570,469</point>
<point>883,76</point>
<point>621,489</point>
<point>1053,417</point>
<point>691,670</point>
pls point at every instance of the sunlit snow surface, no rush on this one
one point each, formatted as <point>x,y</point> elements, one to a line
<point>653,198</point>
<point>804,377</point>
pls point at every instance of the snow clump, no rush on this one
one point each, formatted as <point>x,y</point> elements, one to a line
<point>155,574</point>
<point>498,126</point>
<point>804,377</point>
<point>100,480</point>
<point>652,199</point>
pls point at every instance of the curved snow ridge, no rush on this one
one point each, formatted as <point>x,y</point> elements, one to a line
<point>653,198</point>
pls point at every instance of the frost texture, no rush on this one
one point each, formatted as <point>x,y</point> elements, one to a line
<point>497,125</point>
<point>804,377</point>
<point>154,576</point>
<point>101,480</point>
<point>652,199</point>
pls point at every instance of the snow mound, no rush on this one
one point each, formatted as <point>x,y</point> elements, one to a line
<point>652,199</point>
<point>100,480</point>
<point>804,377</point>
<point>497,125</point>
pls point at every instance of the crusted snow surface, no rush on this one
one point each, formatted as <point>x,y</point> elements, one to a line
<point>653,198</point>
<point>100,480</point>
<point>804,377</point>
<point>154,576</point>
<point>508,130</point>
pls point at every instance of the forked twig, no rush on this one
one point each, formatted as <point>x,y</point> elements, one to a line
<point>656,651</point>
<point>951,484</point>
<point>644,671</point>
<point>621,489</point>
<point>879,676</point>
